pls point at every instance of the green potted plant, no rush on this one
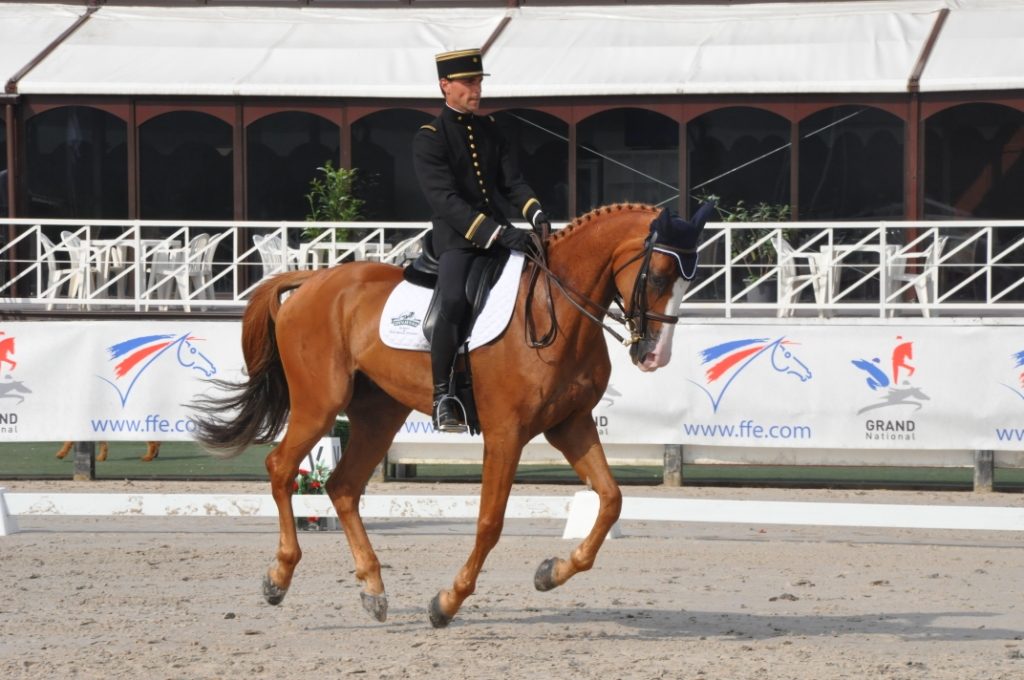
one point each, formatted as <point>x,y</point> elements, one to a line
<point>752,248</point>
<point>331,199</point>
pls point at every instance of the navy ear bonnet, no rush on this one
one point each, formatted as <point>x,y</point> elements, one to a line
<point>680,237</point>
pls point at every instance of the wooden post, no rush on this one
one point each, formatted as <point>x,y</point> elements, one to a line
<point>85,461</point>
<point>984,471</point>
<point>673,471</point>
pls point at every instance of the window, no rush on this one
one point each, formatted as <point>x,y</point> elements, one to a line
<point>185,167</point>
<point>627,155</point>
<point>851,164</point>
<point>539,145</point>
<point>382,157</point>
<point>739,154</point>
<point>76,164</point>
<point>283,152</point>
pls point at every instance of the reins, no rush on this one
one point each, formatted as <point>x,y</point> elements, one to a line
<point>635,320</point>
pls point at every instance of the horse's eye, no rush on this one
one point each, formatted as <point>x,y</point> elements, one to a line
<point>659,282</point>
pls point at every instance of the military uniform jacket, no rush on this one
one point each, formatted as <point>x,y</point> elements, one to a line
<point>462,161</point>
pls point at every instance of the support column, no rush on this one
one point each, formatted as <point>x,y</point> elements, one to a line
<point>673,470</point>
<point>984,471</point>
<point>85,461</point>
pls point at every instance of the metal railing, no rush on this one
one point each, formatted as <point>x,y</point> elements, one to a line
<point>955,268</point>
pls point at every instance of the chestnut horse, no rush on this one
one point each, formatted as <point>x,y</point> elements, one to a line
<point>318,352</point>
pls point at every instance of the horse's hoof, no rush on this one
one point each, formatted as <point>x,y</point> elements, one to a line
<point>544,579</point>
<point>438,619</point>
<point>377,605</point>
<point>272,593</point>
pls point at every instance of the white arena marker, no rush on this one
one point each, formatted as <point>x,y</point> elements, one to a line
<point>583,514</point>
<point>8,525</point>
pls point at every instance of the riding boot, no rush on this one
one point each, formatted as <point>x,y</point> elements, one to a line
<point>448,413</point>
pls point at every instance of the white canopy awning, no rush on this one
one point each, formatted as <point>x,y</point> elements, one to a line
<point>780,48</point>
<point>661,49</point>
<point>297,51</point>
<point>26,30</point>
<point>981,47</point>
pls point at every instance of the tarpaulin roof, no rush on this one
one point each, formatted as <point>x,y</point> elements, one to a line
<point>778,48</point>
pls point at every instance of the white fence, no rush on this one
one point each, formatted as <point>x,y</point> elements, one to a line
<point>962,268</point>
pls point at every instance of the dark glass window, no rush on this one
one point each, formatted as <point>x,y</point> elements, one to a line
<point>627,155</point>
<point>76,164</point>
<point>851,164</point>
<point>539,145</point>
<point>185,167</point>
<point>974,162</point>
<point>283,152</point>
<point>382,157</point>
<point>739,154</point>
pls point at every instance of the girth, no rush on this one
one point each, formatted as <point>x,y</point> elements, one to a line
<point>483,274</point>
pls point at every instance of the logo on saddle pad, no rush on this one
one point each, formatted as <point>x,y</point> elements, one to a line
<point>408,319</point>
<point>406,308</point>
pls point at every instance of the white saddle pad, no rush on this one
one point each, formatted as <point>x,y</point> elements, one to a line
<point>401,322</point>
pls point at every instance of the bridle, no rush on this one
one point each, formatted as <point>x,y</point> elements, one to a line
<point>635,318</point>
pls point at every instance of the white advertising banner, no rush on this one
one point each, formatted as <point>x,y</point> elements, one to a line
<point>109,380</point>
<point>811,384</point>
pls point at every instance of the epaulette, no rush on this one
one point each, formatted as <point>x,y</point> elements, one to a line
<point>428,127</point>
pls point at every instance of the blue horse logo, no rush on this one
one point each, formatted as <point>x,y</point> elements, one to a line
<point>136,355</point>
<point>729,359</point>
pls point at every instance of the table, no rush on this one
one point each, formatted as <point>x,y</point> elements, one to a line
<point>111,258</point>
<point>319,254</point>
<point>835,255</point>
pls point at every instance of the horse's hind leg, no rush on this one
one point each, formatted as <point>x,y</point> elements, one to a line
<point>578,441</point>
<point>305,427</point>
<point>152,451</point>
<point>374,418</point>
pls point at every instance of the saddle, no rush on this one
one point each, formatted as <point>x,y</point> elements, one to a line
<point>483,274</point>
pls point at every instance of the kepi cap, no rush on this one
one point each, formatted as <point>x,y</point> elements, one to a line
<point>460,64</point>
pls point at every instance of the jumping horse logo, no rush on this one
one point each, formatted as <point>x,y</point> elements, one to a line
<point>897,392</point>
<point>10,388</point>
<point>136,355</point>
<point>731,358</point>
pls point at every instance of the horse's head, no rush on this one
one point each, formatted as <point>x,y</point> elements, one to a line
<point>189,356</point>
<point>784,361</point>
<point>652,272</point>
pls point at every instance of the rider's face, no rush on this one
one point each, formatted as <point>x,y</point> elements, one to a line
<point>463,94</point>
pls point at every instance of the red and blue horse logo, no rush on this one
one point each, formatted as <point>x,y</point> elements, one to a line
<point>1018,365</point>
<point>133,357</point>
<point>729,359</point>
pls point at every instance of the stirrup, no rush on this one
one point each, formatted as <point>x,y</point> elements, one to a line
<point>452,423</point>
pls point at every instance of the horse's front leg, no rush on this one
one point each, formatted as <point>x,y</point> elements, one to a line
<point>578,441</point>
<point>498,474</point>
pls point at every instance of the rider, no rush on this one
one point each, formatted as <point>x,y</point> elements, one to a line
<point>462,161</point>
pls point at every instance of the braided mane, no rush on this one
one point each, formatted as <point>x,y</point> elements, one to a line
<point>589,217</point>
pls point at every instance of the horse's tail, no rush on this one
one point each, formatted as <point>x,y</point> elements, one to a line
<point>259,406</point>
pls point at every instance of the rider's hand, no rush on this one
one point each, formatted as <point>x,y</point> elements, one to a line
<point>541,224</point>
<point>515,239</point>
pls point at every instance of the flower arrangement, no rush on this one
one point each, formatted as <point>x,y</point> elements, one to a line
<point>311,481</point>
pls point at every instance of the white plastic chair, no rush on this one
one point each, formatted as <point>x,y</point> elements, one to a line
<point>202,282</point>
<point>792,282</point>
<point>56,276</point>
<point>82,280</point>
<point>275,256</point>
<point>925,282</point>
<point>179,266</point>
